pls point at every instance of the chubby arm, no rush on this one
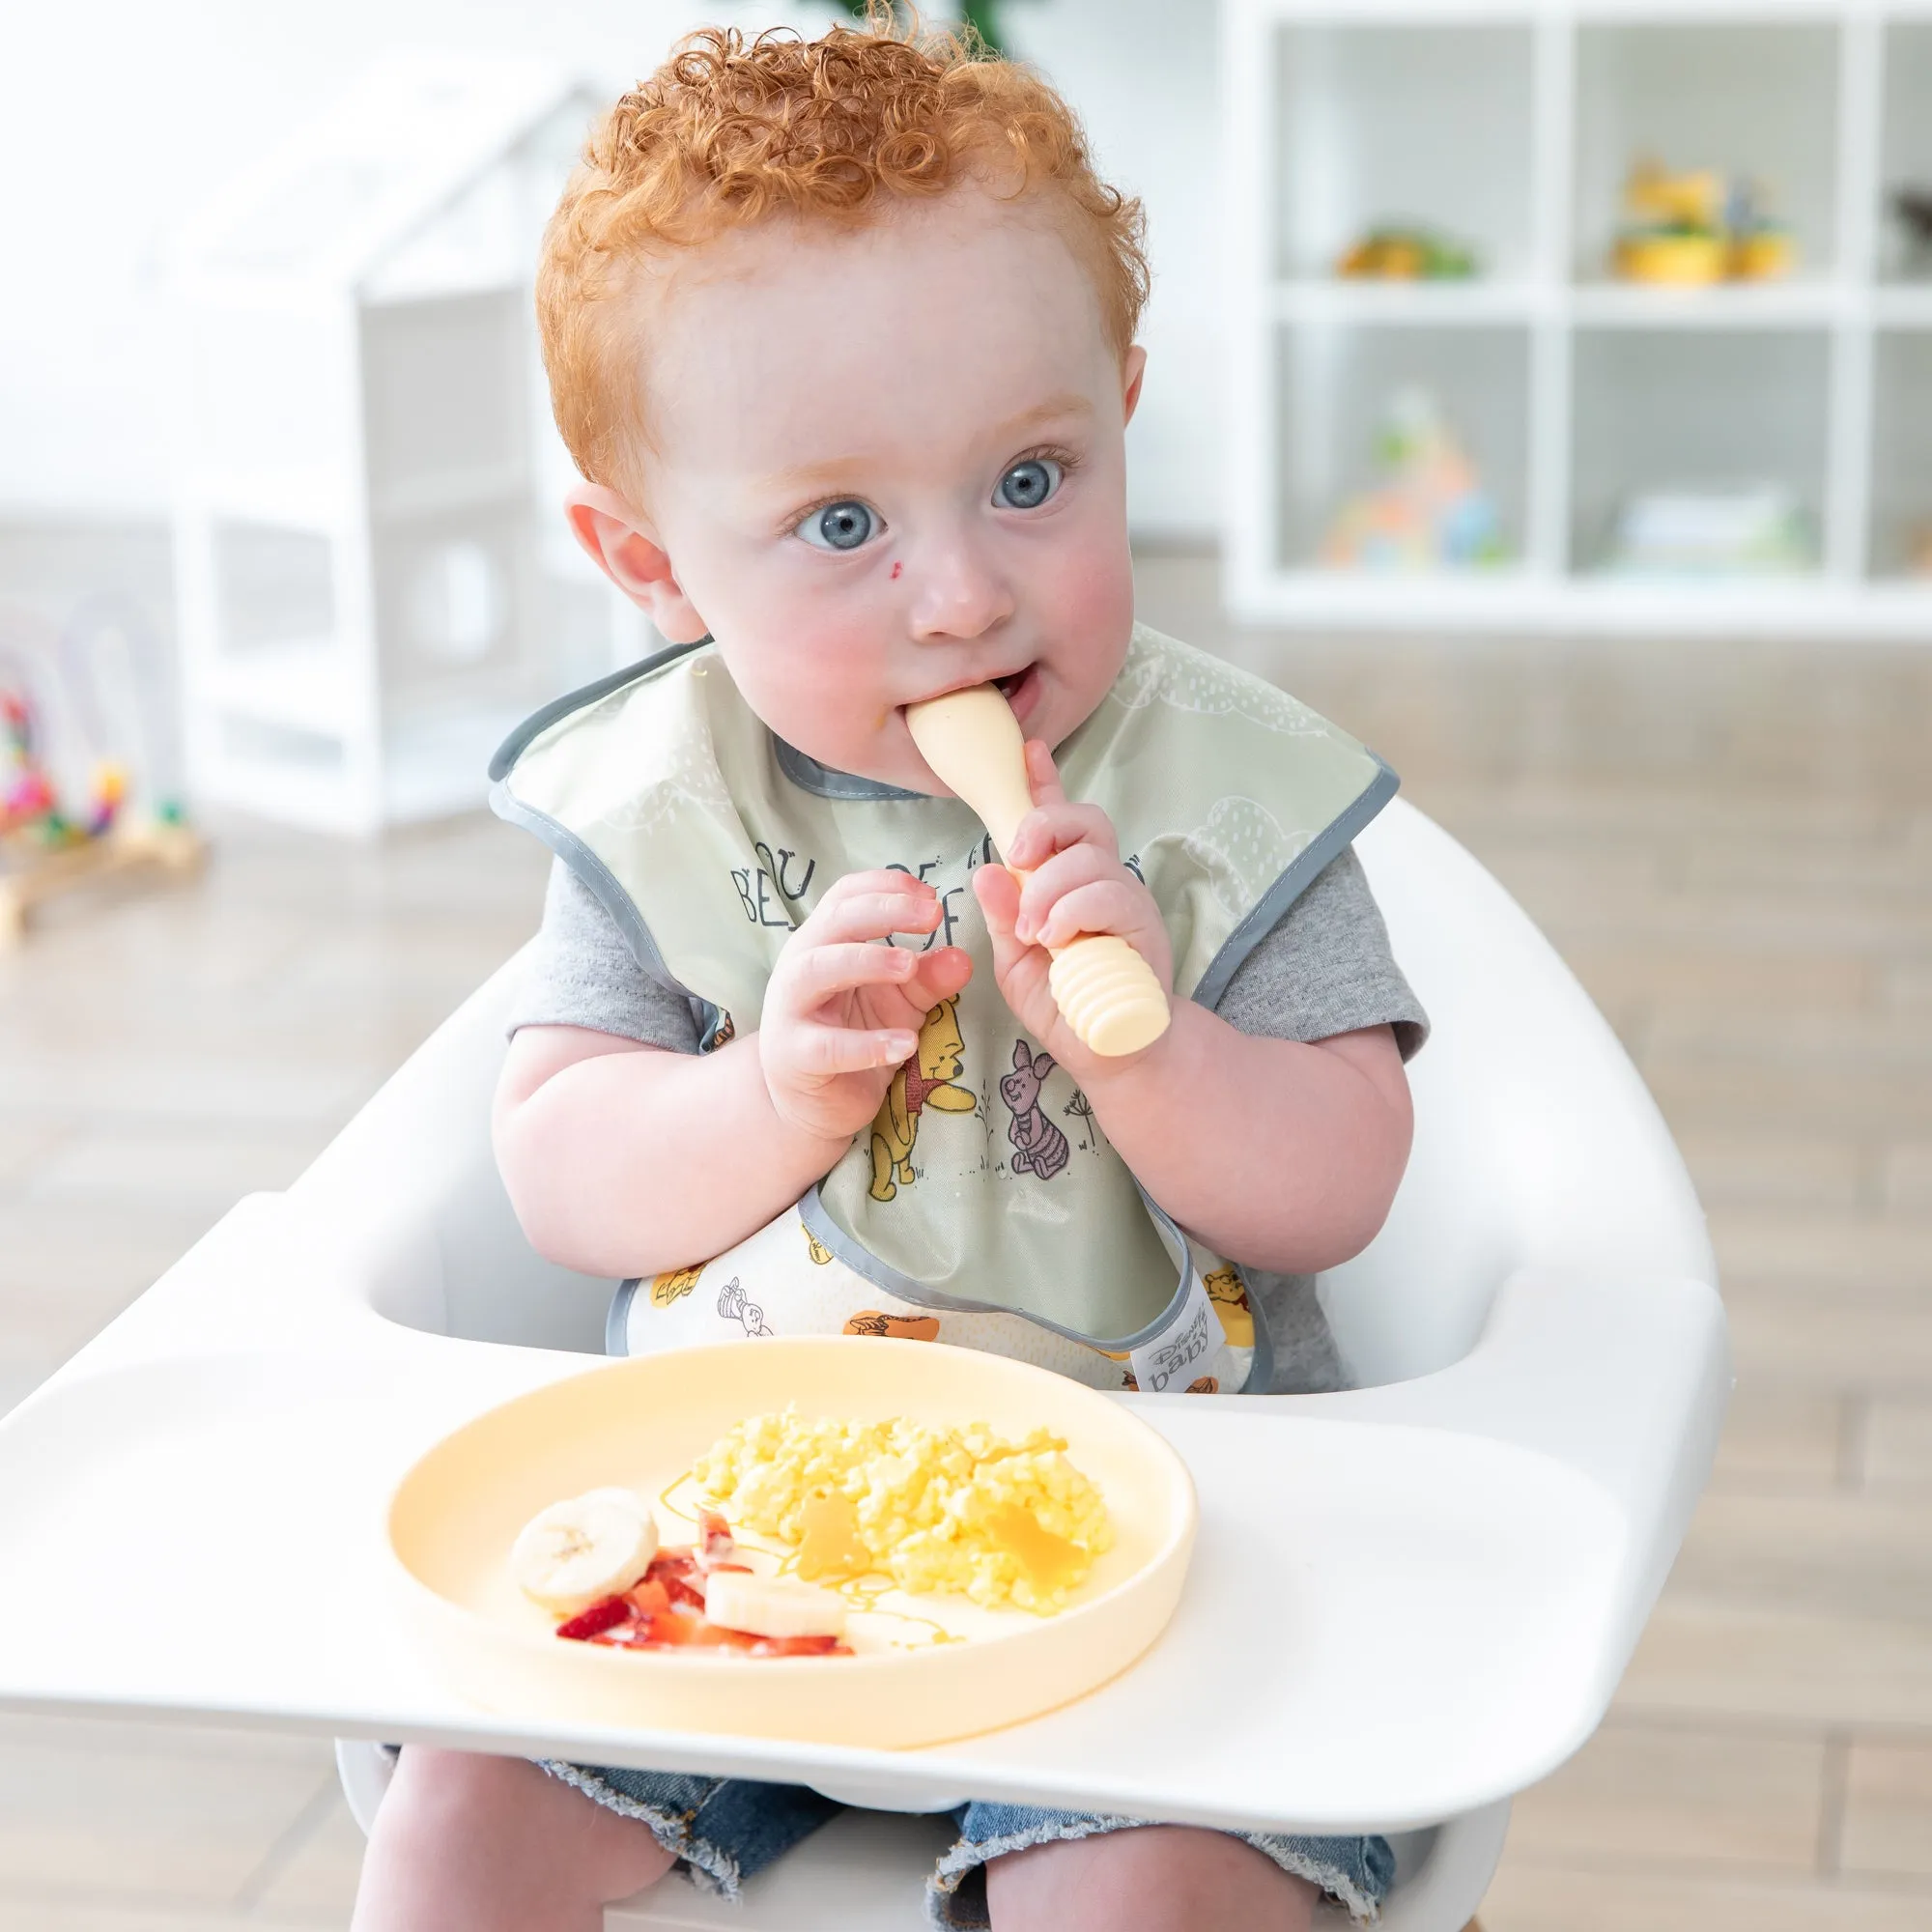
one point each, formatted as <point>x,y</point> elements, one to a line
<point>1282,1155</point>
<point>624,1159</point>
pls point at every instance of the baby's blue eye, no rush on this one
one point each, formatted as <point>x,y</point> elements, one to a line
<point>840,526</point>
<point>1026,485</point>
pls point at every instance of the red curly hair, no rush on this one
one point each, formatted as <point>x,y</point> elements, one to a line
<point>729,132</point>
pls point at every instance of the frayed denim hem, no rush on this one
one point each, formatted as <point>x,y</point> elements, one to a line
<point>946,1908</point>
<point>708,1867</point>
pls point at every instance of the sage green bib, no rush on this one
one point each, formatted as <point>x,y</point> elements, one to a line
<point>985,1184</point>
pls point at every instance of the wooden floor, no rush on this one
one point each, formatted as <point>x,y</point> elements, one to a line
<point>1733,848</point>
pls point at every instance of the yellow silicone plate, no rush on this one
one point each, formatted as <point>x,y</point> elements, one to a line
<point>641,1423</point>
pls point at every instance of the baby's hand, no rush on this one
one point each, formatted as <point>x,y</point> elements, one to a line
<point>842,1013</point>
<point>1077,885</point>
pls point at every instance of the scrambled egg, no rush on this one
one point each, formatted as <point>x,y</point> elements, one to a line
<point>939,1509</point>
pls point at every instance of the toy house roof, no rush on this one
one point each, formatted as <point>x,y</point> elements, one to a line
<point>434,171</point>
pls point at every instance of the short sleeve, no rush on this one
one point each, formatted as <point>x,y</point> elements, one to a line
<point>580,973</point>
<point>1326,968</point>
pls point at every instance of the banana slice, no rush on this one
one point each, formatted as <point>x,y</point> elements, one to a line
<point>578,1551</point>
<point>770,1607</point>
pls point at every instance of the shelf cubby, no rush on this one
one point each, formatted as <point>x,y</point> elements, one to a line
<point>1336,384</point>
<point>1429,125</point>
<point>1707,410</point>
<point>1583,400</point>
<point>1905,147</point>
<point>1901,494</point>
<point>1755,98</point>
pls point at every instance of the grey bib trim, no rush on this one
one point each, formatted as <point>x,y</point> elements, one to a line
<point>882,1274</point>
<point>617,1321</point>
<point>1308,863</point>
<point>823,782</point>
<point>602,883</point>
<point>539,721</point>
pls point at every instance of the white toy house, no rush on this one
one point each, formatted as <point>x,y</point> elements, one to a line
<point>369,596</point>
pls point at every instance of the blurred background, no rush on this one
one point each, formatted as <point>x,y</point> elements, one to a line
<point>1544,393</point>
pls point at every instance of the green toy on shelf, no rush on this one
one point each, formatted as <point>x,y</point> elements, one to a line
<point>1407,252</point>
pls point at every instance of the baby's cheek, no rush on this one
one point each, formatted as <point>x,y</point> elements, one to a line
<point>1090,599</point>
<point>819,690</point>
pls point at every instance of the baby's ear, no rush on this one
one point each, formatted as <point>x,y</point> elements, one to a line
<point>625,549</point>
<point>1132,370</point>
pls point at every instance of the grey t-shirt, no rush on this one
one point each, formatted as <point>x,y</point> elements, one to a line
<point>1324,968</point>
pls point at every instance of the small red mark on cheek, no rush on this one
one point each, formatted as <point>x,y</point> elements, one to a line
<point>896,568</point>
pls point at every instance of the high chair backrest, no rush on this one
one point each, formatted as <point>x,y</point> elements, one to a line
<point>1535,1141</point>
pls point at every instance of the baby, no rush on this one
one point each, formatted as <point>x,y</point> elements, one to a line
<point>841,335</point>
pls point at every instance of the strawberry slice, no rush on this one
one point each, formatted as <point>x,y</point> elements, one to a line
<point>799,1646</point>
<point>676,1572</point>
<point>649,1599</point>
<point>601,1616</point>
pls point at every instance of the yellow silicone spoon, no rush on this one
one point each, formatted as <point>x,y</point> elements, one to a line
<point>1105,991</point>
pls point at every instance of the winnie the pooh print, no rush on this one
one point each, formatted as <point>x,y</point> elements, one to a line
<point>927,1080</point>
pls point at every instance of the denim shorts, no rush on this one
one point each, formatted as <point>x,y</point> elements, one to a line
<point>726,1829</point>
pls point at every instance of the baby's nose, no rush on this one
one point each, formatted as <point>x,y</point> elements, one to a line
<point>957,595</point>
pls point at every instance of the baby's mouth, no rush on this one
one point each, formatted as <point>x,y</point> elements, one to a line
<point>1017,687</point>
<point>1021,690</point>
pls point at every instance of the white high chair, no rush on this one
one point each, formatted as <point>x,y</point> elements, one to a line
<point>1452,1562</point>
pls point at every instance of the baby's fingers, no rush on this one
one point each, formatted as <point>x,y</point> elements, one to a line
<point>821,1052</point>
<point>1043,774</point>
<point>1057,825</point>
<point>938,974</point>
<point>873,905</point>
<point>821,970</point>
<point>999,895</point>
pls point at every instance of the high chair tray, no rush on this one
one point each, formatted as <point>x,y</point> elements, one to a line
<point>1404,1604</point>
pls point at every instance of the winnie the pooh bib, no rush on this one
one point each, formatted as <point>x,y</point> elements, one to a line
<point>985,1206</point>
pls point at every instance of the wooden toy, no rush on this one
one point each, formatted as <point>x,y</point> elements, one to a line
<point>1105,990</point>
<point>44,849</point>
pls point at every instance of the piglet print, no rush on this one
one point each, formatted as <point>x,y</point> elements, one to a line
<point>1039,1147</point>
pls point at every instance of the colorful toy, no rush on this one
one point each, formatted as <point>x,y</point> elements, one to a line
<point>46,847</point>
<point>1406,252</point>
<point>26,792</point>
<point>1105,990</point>
<point>1432,513</point>
<point>1693,229</point>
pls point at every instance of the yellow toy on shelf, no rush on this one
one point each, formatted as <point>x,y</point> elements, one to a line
<point>1698,228</point>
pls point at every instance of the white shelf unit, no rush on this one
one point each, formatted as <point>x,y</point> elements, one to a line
<point>1512,126</point>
